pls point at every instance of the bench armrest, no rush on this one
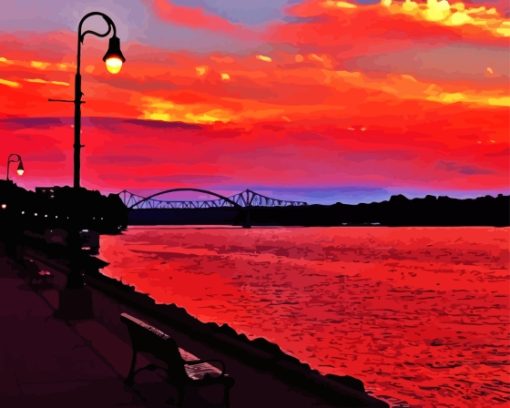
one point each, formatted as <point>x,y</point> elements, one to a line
<point>221,363</point>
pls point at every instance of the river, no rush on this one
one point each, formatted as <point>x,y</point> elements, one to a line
<point>420,315</point>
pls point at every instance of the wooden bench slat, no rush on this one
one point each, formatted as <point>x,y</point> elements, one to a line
<point>146,326</point>
<point>186,355</point>
<point>199,371</point>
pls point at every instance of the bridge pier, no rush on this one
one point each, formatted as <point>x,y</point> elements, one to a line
<point>247,218</point>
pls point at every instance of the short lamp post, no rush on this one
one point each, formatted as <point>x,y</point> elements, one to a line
<point>15,158</point>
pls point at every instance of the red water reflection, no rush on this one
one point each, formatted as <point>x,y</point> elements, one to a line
<point>419,314</point>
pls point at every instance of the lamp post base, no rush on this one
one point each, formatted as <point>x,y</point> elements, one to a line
<point>75,304</point>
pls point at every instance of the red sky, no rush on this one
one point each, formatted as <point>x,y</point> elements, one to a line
<point>316,100</point>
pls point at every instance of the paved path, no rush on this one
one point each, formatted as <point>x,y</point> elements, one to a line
<point>45,362</point>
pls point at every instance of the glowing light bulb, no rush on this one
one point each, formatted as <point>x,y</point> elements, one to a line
<point>113,65</point>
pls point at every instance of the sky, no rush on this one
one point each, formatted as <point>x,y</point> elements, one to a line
<point>314,100</point>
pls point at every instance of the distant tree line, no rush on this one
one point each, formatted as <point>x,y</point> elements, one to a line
<point>60,207</point>
<point>397,211</point>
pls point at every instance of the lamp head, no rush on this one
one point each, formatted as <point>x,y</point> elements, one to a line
<point>21,169</point>
<point>113,57</point>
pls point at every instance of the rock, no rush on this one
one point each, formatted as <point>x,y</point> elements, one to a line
<point>348,381</point>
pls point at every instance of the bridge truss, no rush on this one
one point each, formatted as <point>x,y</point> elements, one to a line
<point>246,198</point>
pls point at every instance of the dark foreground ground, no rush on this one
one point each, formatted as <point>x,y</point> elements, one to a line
<point>49,362</point>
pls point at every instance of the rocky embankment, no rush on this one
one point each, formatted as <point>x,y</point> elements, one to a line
<point>258,352</point>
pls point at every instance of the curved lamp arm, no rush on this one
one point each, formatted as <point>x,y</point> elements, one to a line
<point>81,36</point>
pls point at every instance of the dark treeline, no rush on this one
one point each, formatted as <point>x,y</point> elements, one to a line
<point>60,207</point>
<point>398,211</point>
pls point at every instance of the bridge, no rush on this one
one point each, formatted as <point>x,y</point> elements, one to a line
<point>244,199</point>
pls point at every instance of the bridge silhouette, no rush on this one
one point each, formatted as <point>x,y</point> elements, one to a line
<point>244,199</point>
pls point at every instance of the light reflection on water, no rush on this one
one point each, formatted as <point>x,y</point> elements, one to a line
<point>418,314</point>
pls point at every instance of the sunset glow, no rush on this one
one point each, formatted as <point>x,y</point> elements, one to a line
<point>318,100</point>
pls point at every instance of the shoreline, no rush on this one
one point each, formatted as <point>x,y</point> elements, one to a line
<point>258,353</point>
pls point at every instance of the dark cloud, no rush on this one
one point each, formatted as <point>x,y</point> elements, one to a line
<point>43,122</point>
<point>188,178</point>
<point>45,156</point>
<point>379,155</point>
<point>125,159</point>
<point>100,121</point>
<point>462,168</point>
<point>172,180</point>
<point>323,194</point>
<point>162,125</point>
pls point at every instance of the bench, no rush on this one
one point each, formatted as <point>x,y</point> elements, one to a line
<point>183,368</point>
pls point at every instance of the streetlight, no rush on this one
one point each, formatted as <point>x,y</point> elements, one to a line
<point>15,158</point>
<point>75,301</point>
<point>113,60</point>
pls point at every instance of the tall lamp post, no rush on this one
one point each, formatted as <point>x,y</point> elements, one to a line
<point>15,158</point>
<point>113,60</point>
<point>75,301</point>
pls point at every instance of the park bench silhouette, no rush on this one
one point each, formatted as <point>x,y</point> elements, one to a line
<point>184,370</point>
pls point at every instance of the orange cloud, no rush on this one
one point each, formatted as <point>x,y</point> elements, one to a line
<point>454,15</point>
<point>304,78</point>
<point>39,64</point>
<point>264,58</point>
<point>389,25</point>
<point>197,88</point>
<point>43,81</point>
<point>10,84</point>
<point>4,60</point>
<point>170,111</point>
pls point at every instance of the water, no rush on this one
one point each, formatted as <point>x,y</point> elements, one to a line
<point>419,314</point>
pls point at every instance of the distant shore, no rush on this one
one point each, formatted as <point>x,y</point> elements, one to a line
<point>398,211</point>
